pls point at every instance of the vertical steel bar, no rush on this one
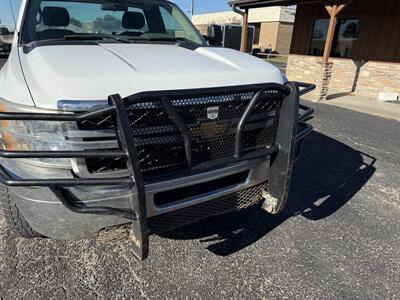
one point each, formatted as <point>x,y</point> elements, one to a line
<point>183,129</point>
<point>282,163</point>
<point>140,231</point>
<point>242,122</point>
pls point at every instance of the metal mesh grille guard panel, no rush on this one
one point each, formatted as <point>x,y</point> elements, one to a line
<point>210,120</point>
<point>186,216</point>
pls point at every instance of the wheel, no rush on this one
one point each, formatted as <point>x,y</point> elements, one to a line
<point>15,221</point>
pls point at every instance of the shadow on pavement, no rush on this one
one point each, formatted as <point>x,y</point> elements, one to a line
<point>326,177</point>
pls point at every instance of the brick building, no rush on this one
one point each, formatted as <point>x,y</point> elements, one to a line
<point>344,46</point>
<point>273,26</point>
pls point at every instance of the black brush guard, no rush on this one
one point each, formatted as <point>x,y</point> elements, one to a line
<point>288,144</point>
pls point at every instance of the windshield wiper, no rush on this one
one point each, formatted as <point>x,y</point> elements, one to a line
<point>162,39</point>
<point>74,37</point>
<point>89,37</point>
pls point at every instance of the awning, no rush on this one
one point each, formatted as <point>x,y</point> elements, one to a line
<point>334,7</point>
<point>247,4</point>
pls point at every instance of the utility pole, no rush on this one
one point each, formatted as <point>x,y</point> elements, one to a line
<point>192,9</point>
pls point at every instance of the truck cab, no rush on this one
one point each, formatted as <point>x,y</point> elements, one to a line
<point>118,111</point>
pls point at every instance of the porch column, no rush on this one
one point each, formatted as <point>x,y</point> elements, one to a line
<point>326,66</point>
<point>333,11</point>
<point>245,25</point>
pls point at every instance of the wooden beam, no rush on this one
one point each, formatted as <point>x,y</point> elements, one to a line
<point>329,9</point>
<point>339,9</point>
<point>245,26</point>
<point>331,31</point>
<point>333,11</point>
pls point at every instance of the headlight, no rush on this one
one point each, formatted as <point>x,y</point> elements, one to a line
<point>33,135</point>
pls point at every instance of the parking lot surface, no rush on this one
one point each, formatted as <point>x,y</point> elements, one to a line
<point>338,239</point>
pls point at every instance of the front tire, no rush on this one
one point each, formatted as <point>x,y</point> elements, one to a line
<point>15,221</point>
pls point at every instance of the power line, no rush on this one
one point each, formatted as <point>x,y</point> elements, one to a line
<point>12,13</point>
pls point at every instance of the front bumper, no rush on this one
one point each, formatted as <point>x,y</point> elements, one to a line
<point>41,207</point>
<point>111,201</point>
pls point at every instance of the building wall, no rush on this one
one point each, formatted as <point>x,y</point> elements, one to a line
<point>272,34</point>
<point>276,25</point>
<point>284,38</point>
<point>375,63</point>
<point>258,15</point>
<point>203,29</point>
<point>347,76</point>
<point>276,35</point>
<point>268,35</point>
<point>380,28</point>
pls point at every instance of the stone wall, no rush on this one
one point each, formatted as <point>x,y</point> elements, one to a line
<point>378,77</point>
<point>344,76</point>
<point>308,69</point>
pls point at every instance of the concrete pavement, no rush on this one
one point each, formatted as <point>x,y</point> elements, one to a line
<point>369,106</point>
<point>338,238</point>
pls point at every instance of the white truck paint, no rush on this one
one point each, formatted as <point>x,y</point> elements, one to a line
<point>54,73</point>
<point>90,72</point>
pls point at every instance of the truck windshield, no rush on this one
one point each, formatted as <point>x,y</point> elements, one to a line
<point>149,21</point>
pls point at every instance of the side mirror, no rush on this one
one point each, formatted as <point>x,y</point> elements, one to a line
<point>214,35</point>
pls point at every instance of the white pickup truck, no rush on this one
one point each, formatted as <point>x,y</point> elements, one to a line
<point>118,111</point>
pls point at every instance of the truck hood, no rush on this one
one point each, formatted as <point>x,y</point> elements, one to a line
<point>93,72</point>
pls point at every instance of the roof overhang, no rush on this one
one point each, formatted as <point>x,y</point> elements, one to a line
<point>247,4</point>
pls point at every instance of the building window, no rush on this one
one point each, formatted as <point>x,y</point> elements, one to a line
<point>257,32</point>
<point>345,37</point>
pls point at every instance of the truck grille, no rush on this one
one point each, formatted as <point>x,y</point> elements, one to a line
<point>160,145</point>
<point>237,201</point>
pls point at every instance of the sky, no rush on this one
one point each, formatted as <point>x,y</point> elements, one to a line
<point>201,6</point>
<point>5,12</point>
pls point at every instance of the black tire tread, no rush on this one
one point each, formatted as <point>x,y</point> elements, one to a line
<point>14,219</point>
